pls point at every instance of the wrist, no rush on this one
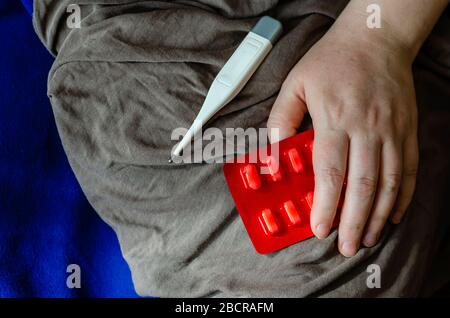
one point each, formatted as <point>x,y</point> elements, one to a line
<point>351,28</point>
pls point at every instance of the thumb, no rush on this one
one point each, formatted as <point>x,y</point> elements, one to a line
<point>287,113</point>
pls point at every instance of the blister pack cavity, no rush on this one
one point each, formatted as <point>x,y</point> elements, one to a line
<point>273,189</point>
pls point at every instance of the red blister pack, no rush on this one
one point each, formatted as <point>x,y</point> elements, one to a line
<point>273,189</point>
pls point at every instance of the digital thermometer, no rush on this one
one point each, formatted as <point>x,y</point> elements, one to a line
<point>235,74</point>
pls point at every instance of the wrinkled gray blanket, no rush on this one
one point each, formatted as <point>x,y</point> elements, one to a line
<point>136,70</point>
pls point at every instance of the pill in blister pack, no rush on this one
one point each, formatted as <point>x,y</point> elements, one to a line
<point>274,194</point>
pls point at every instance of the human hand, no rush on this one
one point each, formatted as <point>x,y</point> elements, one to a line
<point>360,95</point>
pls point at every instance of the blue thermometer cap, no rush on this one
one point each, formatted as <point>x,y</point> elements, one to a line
<point>268,28</point>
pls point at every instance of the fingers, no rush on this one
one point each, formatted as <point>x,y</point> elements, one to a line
<point>364,157</point>
<point>389,183</point>
<point>381,176</point>
<point>410,165</point>
<point>287,114</point>
<point>330,161</point>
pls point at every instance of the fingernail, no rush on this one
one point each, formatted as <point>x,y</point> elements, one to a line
<point>348,249</point>
<point>322,231</point>
<point>396,218</point>
<point>370,240</point>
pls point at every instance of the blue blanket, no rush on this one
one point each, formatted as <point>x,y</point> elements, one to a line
<point>45,221</point>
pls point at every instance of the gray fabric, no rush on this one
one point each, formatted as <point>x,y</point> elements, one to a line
<point>138,69</point>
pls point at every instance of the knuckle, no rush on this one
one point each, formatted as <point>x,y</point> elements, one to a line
<point>388,130</point>
<point>410,173</point>
<point>401,123</point>
<point>289,84</point>
<point>406,123</point>
<point>335,114</point>
<point>331,176</point>
<point>273,121</point>
<point>365,186</point>
<point>391,182</point>
<point>372,117</point>
<point>388,113</point>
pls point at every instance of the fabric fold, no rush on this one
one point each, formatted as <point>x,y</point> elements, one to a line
<point>136,70</point>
